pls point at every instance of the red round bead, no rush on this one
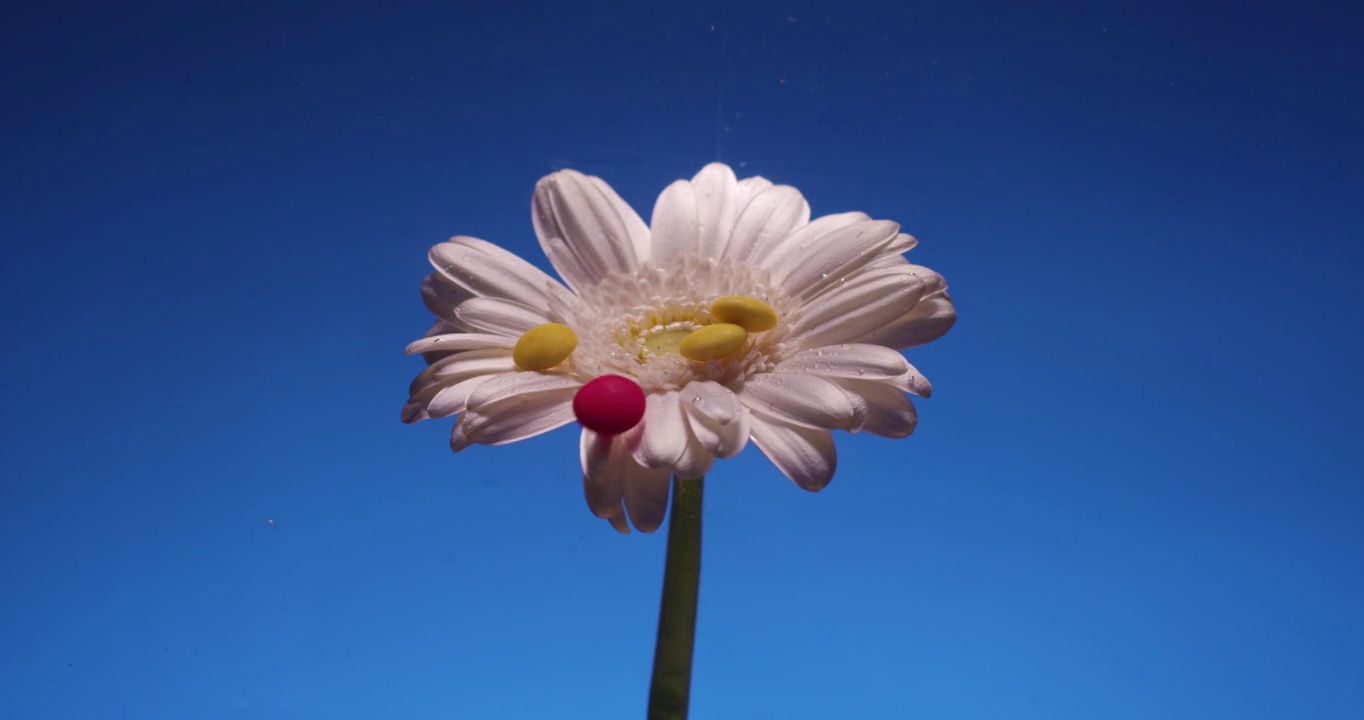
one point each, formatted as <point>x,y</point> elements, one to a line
<point>609,405</point>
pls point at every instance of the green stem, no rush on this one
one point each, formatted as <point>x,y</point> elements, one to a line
<point>671,685</point>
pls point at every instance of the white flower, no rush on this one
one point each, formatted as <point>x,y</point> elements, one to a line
<point>846,302</point>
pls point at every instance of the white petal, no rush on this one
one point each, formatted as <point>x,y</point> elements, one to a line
<point>714,400</point>
<point>717,207</point>
<point>513,407</point>
<point>499,317</point>
<point>485,270</point>
<point>749,187</point>
<point>458,439</point>
<point>442,296</point>
<point>646,495</point>
<point>593,452</point>
<point>870,362</point>
<point>929,320</point>
<point>717,419</point>
<point>454,399</point>
<point>441,327</point>
<point>675,223</point>
<point>460,367</point>
<point>805,455</point>
<point>509,385</point>
<point>442,398</point>
<point>889,411</point>
<point>808,268</point>
<point>604,477</point>
<point>773,214</point>
<point>887,261</point>
<point>800,399</point>
<point>665,432</point>
<point>852,312</point>
<point>563,305</point>
<point>518,418</point>
<point>903,243</point>
<point>459,341</point>
<point>414,411</point>
<point>724,441</point>
<point>695,461</point>
<point>785,250</point>
<point>585,229</point>
<point>616,517</point>
<point>914,382</point>
<point>696,458</point>
<point>634,224</point>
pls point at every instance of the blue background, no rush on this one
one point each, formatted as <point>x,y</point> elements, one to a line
<point>1136,492</point>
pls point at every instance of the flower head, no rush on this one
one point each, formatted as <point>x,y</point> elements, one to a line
<point>733,314</point>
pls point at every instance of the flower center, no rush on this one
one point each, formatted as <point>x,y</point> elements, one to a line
<point>694,320</point>
<point>663,339</point>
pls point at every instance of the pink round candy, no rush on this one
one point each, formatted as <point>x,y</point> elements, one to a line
<point>609,405</point>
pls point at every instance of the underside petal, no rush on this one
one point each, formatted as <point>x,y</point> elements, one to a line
<point>646,495</point>
<point>805,455</point>
<point>928,320</point>
<point>889,411</point>
<point>604,477</point>
<point>665,432</point>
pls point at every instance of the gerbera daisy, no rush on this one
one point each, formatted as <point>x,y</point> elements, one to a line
<point>730,317</point>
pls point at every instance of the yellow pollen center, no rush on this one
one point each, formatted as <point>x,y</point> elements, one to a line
<point>665,339</point>
<point>689,335</point>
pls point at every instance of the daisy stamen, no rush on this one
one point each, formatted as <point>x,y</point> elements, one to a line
<point>659,325</point>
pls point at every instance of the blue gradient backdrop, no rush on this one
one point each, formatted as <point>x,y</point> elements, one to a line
<point>1135,494</point>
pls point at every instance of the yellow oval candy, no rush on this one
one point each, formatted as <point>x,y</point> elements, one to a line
<point>712,342</point>
<point>544,346</point>
<point>748,313</point>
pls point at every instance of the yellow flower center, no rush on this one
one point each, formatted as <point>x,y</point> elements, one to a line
<point>664,339</point>
<point>658,325</point>
<point>695,337</point>
<point>544,346</point>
